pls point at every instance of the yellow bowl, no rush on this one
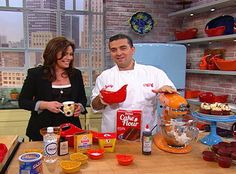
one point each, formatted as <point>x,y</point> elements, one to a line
<point>79,157</point>
<point>56,130</point>
<point>70,166</point>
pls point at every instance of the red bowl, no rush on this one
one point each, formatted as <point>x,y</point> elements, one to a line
<point>215,31</point>
<point>186,34</point>
<point>226,65</point>
<point>111,97</point>
<point>209,156</point>
<point>124,159</point>
<point>95,153</point>
<point>207,97</point>
<point>221,98</point>
<point>224,162</point>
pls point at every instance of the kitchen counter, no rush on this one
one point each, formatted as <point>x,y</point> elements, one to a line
<point>158,162</point>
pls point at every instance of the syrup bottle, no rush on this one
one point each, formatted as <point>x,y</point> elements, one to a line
<point>147,141</point>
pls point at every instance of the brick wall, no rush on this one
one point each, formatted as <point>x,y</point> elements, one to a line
<point>118,12</point>
<point>218,84</point>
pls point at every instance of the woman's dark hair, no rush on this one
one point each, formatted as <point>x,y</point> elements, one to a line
<point>121,36</point>
<point>54,46</point>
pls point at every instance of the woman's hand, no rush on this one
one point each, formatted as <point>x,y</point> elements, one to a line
<point>52,106</point>
<point>165,89</point>
<point>77,110</point>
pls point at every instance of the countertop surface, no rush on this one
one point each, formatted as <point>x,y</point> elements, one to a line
<point>158,162</point>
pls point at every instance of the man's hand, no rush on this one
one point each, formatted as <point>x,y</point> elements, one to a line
<point>165,89</point>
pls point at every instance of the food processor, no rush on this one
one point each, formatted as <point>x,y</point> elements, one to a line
<point>177,126</point>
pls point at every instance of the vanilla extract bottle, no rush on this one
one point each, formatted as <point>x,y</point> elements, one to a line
<point>147,141</point>
<point>63,147</point>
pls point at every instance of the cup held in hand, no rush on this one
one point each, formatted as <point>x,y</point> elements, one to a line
<point>68,108</point>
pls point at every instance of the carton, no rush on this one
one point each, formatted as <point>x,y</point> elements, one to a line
<point>128,124</point>
<point>82,141</point>
<point>107,141</point>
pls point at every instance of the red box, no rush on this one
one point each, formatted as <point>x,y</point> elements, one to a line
<point>128,124</point>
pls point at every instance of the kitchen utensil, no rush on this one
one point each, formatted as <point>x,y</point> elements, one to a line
<point>111,97</point>
<point>68,130</point>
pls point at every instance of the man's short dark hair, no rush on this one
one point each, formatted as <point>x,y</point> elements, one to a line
<point>121,36</point>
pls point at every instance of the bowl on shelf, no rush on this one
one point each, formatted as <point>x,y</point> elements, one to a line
<point>180,132</point>
<point>226,65</point>
<point>207,97</point>
<point>217,31</point>
<point>186,34</point>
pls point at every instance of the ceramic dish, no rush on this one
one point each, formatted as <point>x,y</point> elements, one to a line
<point>95,153</point>
<point>141,22</point>
<point>70,166</point>
<point>124,159</point>
<point>112,97</point>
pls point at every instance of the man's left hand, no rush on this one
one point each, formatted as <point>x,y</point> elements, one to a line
<point>165,89</point>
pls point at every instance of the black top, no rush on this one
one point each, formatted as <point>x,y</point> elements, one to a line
<point>35,88</point>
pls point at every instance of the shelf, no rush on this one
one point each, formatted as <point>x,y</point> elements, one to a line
<point>206,39</point>
<point>206,7</point>
<point>218,72</point>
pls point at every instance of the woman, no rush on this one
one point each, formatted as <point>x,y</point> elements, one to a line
<point>47,86</point>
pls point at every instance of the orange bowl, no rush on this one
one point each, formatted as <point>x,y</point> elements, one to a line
<point>124,159</point>
<point>226,65</point>
<point>95,153</point>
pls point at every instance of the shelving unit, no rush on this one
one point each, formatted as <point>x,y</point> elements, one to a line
<point>204,8</point>
<point>198,71</point>
<point>206,39</point>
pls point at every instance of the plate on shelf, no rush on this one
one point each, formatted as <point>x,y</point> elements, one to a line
<point>218,116</point>
<point>209,117</point>
<point>141,22</point>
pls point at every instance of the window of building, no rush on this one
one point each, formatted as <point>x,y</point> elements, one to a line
<point>27,26</point>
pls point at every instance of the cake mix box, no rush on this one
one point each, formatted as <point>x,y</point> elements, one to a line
<point>128,124</point>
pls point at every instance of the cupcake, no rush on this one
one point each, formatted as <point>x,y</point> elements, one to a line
<point>205,108</point>
<point>216,109</point>
<point>226,109</point>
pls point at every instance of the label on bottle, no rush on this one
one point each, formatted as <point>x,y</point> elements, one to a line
<point>63,148</point>
<point>147,143</point>
<point>51,148</point>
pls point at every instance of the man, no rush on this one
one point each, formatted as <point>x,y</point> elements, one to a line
<point>144,83</point>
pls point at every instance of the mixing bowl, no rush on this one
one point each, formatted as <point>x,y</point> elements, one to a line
<point>179,132</point>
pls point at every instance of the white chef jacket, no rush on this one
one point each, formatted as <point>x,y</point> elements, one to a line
<point>141,80</point>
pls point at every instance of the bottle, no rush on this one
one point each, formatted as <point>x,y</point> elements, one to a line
<point>147,141</point>
<point>50,146</point>
<point>63,147</point>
